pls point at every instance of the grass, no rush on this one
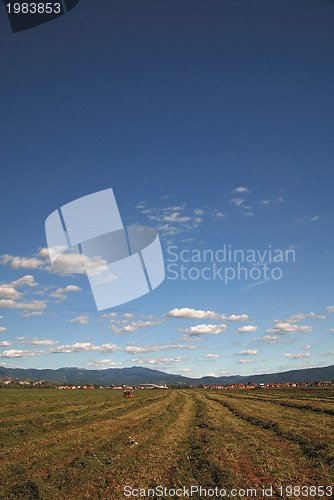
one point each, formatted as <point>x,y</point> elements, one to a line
<point>81,444</point>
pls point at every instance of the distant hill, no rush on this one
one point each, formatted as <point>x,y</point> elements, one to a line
<point>139,375</point>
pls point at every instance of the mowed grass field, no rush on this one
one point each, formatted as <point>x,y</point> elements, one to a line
<point>77,444</point>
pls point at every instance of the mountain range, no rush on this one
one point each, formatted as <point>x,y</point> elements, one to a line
<point>139,375</point>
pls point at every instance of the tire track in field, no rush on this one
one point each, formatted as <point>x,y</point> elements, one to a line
<point>198,463</point>
<point>259,458</point>
<point>149,463</point>
<point>299,404</point>
<point>72,436</point>
<point>310,450</point>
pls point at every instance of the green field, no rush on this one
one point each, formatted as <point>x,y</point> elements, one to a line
<point>77,444</point>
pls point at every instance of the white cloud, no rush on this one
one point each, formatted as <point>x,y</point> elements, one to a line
<point>5,343</point>
<point>9,292</point>
<point>247,329</point>
<point>245,361</point>
<point>217,374</point>
<point>60,293</point>
<point>82,320</point>
<point>330,330</point>
<point>203,330</point>
<point>109,316</point>
<point>298,355</point>
<point>29,314</point>
<point>176,217</point>
<point>286,328</point>
<point>188,338</point>
<point>328,353</point>
<point>136,349</point>
<point>307,347</point>
<point>220,214</point>
<point>187,313</point>
<point>3,329</point>
<point>237,201</point>
<point>198,211</point>
<point>237,317</point>
<point>104,362</point>
<point>300,316</point>
<point>128,316</point>
<point>269,339</point>
<point>34,305</point>
<point>37,342</point>
<point>316,217</point>
<point>241,189</point>
<point>330,309</point>
<point>211,356</point>
<point>27,280</point>
<point>82,347</point>
<point>249,352</point>
<point>22,262</point>
<point>133,327</point>
<point>18,353</point>
<point>157,361</point>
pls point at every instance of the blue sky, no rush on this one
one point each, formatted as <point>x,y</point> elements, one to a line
<point>213,123</point>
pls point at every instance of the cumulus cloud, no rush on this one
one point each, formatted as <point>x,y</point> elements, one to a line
<point>109,316</point>
<point>307,347</point>
<point>62,349</point>
<point>31,306</point>
<point>237,201</point>
<point>188,313</point>
<point>104,362</point>
<point>5,343</point>
<point>249,352</point>
<point>286,328</point>
<point>203,330</point>
<point>241,189</point>
<point>133,327</point>
<point>82,347</point>
<point>82,320</point>
<point>29,314</point>
<point>37,342</point>
<point>247,329</point>
<point>61,293</point>
<point>22,262</point>
<point>3,329</point>
<point>18,353</point>
<point>9,292</point>
<point>269,339</point>
<point>157,361</point>
<point>300,316</point>
<point>237,317</point>
<point>211,356</point>
<point>27,280</point>
<point>136,349</point>
<point>298,355</point>
<point>175,217</point>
